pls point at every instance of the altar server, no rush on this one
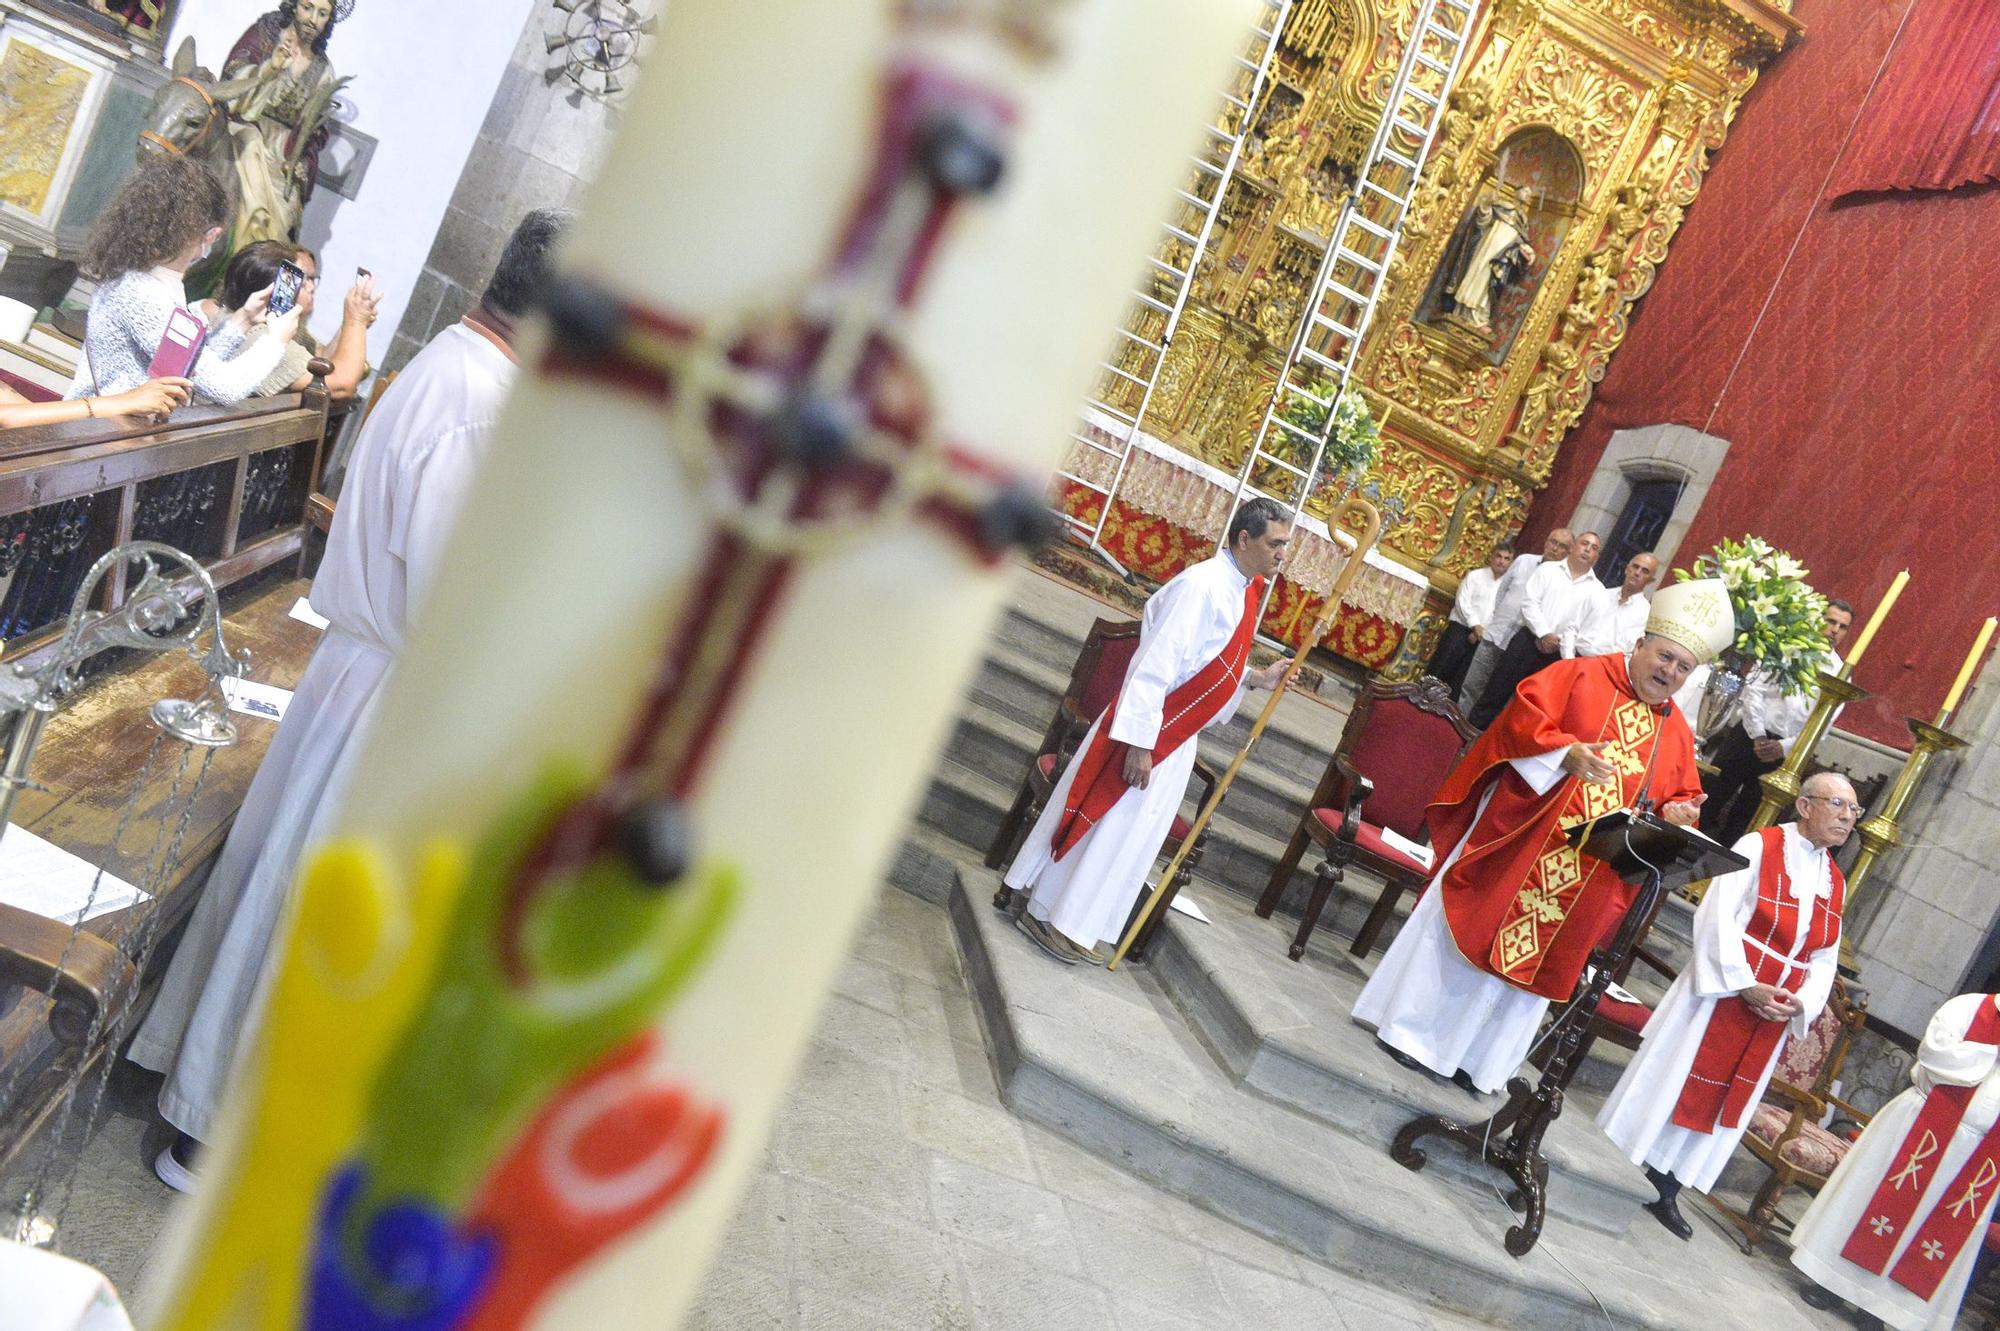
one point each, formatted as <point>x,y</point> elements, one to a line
<point>1896,1230</point>
<point>1470,611</point>
<point>1506,616</point>
<point>1766,948</point>
<point>415,460</point>
<point>1087,856</point>
<point>1514,910</point>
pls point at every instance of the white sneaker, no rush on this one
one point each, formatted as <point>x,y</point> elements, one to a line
<point>175,1165</point>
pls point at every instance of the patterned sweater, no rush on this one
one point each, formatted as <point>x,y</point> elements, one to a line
<point>128,316</point>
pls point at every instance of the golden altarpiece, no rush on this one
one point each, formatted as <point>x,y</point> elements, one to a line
<point>1576,138</point>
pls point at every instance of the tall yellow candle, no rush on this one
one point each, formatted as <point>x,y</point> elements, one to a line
<point>1875,620</point>
<point>1965,672</point>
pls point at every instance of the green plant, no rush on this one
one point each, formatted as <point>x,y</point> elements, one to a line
<point>1353,443</point>
<point>1780,619</point>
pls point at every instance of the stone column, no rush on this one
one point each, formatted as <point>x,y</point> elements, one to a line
<point>539,148</point>
<point>1937,900</point>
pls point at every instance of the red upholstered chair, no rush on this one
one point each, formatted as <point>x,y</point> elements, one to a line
<point>1399,744</point>
<point>1094,681</point>
<point>1784,1130</point>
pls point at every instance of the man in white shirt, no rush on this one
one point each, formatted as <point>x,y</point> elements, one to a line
<point>1470,611</point>
<point>1556,595</point>
<point>414,462</point>
<point>1506,615</point>
<point>1614,621</point>
<point>1768,723</point>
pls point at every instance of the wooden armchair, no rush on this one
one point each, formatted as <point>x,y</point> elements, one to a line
<point>1094,681</point>
<point>1784,1131</point>
<point>1399,744</point>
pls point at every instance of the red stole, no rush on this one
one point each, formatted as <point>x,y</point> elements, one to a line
<point>1523,904</point>
<point>1738,1044</point>
<point>1961,1208</point>
<point>1100,769</point>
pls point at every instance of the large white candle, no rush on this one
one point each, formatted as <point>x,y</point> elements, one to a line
<point>736,169</point>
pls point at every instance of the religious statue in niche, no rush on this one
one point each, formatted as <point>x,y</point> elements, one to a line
<point>1492,265</point>
<point>282,109</point>
<point>1488,254</point>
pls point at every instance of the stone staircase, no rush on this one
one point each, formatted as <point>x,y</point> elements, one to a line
<point>1233,1077</point>
<point>1014,696</point>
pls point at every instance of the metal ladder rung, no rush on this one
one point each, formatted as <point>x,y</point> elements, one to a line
<point>1235,101</point>
<point>1401,201</point>
<point>1277,461</point>
<point>1390,154</point>
<point>1091,486</point>
<point>1202,163</point>
<point>1109,368</point>
<point>1179,234</point>
<point>1374,229</point>
<point>1192,199</point>
<point>1113,413</point>
<point>1094,446</point>
<point>1320,320</point>
<point>1217,132</point>
<point>1431,64</point>
<point>1150,303</point>
<point>1151,344</point>
<point>1455,38</point>
<point>1298,431</point>
<point>1359,260</point>
<point>1344,291</point>
<point>1414,91</point>
<point>1250,65</point>
<point>1166,268</point>
<point>1306,392</point>
<point>1410,126</point>
<point>1307,353</point>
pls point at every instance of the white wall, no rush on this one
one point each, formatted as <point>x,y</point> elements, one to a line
<point>424,75</point>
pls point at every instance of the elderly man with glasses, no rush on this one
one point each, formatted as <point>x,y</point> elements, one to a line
<point>1766,946</point>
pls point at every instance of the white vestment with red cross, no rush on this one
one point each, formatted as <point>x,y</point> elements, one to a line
<point>1947,1058</point>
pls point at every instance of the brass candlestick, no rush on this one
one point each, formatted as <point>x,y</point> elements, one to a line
<point>1781,787</point>
<point>1882,831</point>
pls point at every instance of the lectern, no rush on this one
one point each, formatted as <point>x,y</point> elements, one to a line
<point>1644,849</point>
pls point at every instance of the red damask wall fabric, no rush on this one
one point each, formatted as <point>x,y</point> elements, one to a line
<point>1933,121</point>
<point>1860,411</point>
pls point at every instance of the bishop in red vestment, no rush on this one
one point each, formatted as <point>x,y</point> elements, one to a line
<point>1514,911</point>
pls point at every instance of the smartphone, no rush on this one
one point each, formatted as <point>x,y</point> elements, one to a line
<point>180,346</point>
<point>363,272</point>
<point>285,288</point>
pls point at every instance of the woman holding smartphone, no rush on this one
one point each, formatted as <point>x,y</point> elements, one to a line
<point>166,217</point>
<point>257,267</point>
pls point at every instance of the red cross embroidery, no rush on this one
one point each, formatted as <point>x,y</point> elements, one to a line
<point>799,426</point>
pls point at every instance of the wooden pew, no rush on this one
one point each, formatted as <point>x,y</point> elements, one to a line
<point>229,485</point>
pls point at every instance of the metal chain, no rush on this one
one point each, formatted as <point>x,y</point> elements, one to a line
<point>25,1209</point>
<point>144,939</point>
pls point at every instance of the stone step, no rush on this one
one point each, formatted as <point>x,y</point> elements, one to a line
<point>1107,1061</point>
<point>967,806</point>
<point>1302,1050</point>
<point>1264,796</point>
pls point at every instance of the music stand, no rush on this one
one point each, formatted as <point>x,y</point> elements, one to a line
<point>1642,848</point>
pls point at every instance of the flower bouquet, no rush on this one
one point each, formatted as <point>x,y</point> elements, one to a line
<point>1780,619</point>
<point>1353,439</point>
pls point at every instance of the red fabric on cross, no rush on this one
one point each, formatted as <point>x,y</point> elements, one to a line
<point>1933,121</point>
<point>1859,415</point>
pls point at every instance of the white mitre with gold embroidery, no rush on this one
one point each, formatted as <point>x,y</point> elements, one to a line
<point>1697,615</point>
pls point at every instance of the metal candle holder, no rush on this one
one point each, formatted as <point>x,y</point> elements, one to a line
<point>158,615</point>
<point>1781,787</point>
<point>1883,829</point>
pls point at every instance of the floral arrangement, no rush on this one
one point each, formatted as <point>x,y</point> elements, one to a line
<point>1780,620</point>
<point>1352,444</point>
